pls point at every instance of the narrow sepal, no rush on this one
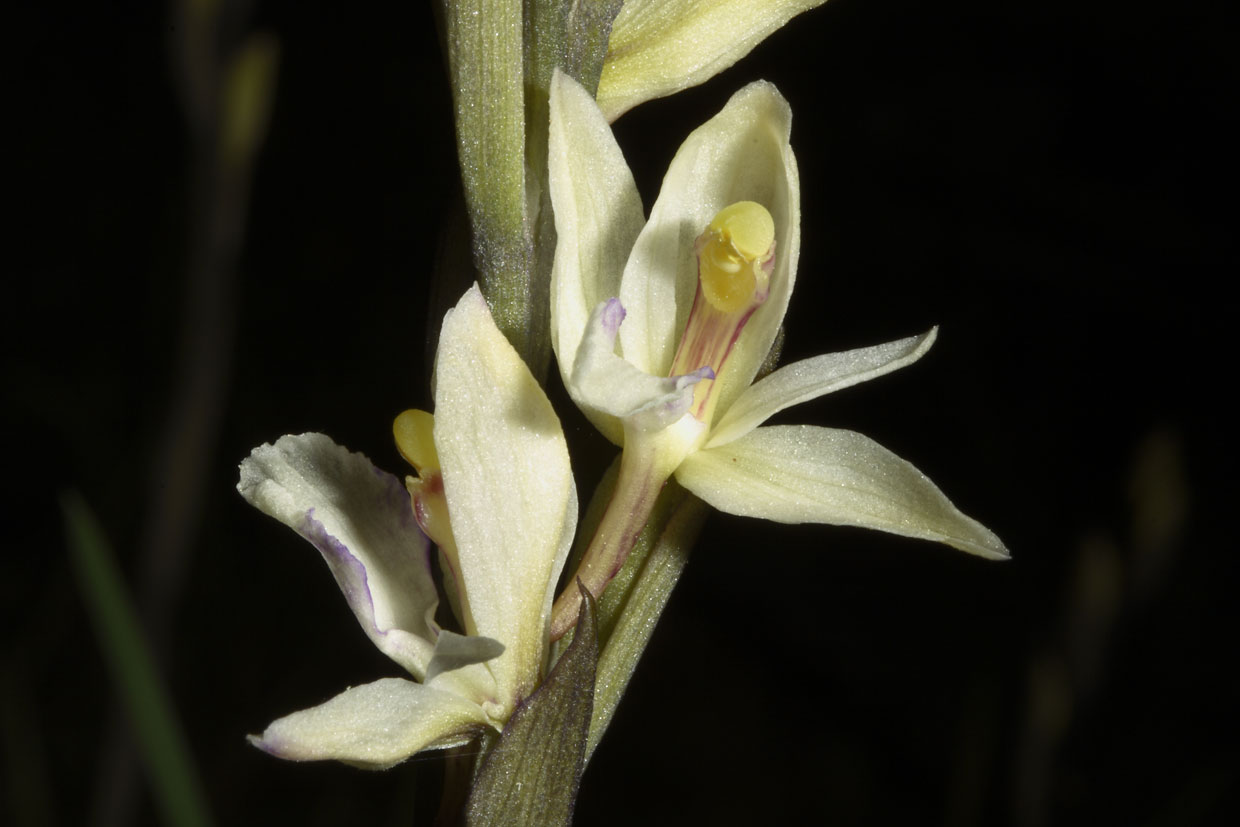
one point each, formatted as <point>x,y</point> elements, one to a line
<point>811,378</point>
<point>804,474</point>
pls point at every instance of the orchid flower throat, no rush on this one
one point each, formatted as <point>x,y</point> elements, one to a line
<point>736,255</point>
<point>414,435</point>
<point>413,431</point>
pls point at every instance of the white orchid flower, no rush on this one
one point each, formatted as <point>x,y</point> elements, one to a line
<point>659,47</point>
<point>494,460</point>
<point>661,326</point>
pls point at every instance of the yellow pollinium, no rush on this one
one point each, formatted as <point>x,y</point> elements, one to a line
<point>733,254</point>
<point>413,431</point>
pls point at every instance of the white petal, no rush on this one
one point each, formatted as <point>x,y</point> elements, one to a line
<point>602,381</point>
<point>509,489</point>
<point>803,474</point>
<point>742,154</point>
<point>598,214</point>
<point>811,378</point>
<point>375,725</point>
<point>658,47</point>
<point>361,521</point>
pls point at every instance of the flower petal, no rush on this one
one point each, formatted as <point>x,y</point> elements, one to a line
<point>509,489</point>
<point>602,381</point>
<point>811,378</point>
<point>741,154</point>
<point>659,47</point>
<point>361,521</point>
<point>374,726</point>
<point>453,651</point>
<point>598,214</point>
<point>803,474</point>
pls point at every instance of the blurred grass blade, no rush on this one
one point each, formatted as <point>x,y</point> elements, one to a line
<point>156,730</point>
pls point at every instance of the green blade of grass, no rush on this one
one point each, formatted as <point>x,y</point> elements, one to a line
<point>156,729</point>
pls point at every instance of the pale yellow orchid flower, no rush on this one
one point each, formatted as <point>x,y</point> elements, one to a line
<point>497,449</point>
<point>661,326</point>
<point>659,47</point>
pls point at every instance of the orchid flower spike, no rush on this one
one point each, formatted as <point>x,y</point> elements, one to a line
<point>494,491</point>
<point>660,327</point>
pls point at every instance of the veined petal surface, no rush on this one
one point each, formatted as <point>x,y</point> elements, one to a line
<point>658,47</point>
<point>598,214</point>
<point>741,154</point>
<point>361,521</point>
<point>509,489</point>
<point>811,378</point>
<point>375,725</point>
<point>805,474</point>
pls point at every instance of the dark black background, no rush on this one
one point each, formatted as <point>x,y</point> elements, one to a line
<point>1046,181</point>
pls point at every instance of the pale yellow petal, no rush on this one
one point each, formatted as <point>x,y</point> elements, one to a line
<point>741,154</point>
<point>598,214</point>
<point>803,474</point>
<point>811,378</point>
<point>659,47</point>
<point>375,725</point>
<point>361,521</point>
<point>509,489</point>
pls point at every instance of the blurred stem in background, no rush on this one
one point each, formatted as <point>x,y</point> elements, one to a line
<point>1107,585</point>
<point>149,712</point>
<point>225,81</point>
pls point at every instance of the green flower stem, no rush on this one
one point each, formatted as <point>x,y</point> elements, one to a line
<point>532,774</point>
<point>629,609</point>
<point>485,49</point>
<point>570,35</point>
<point>501,56</point>
<point>644,468</point>
<point>573,37</point>
<point>654,569</point>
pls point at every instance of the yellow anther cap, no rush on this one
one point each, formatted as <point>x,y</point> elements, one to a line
<point>732,253</point>
<point>747,226</point>
<point>413,431</point>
